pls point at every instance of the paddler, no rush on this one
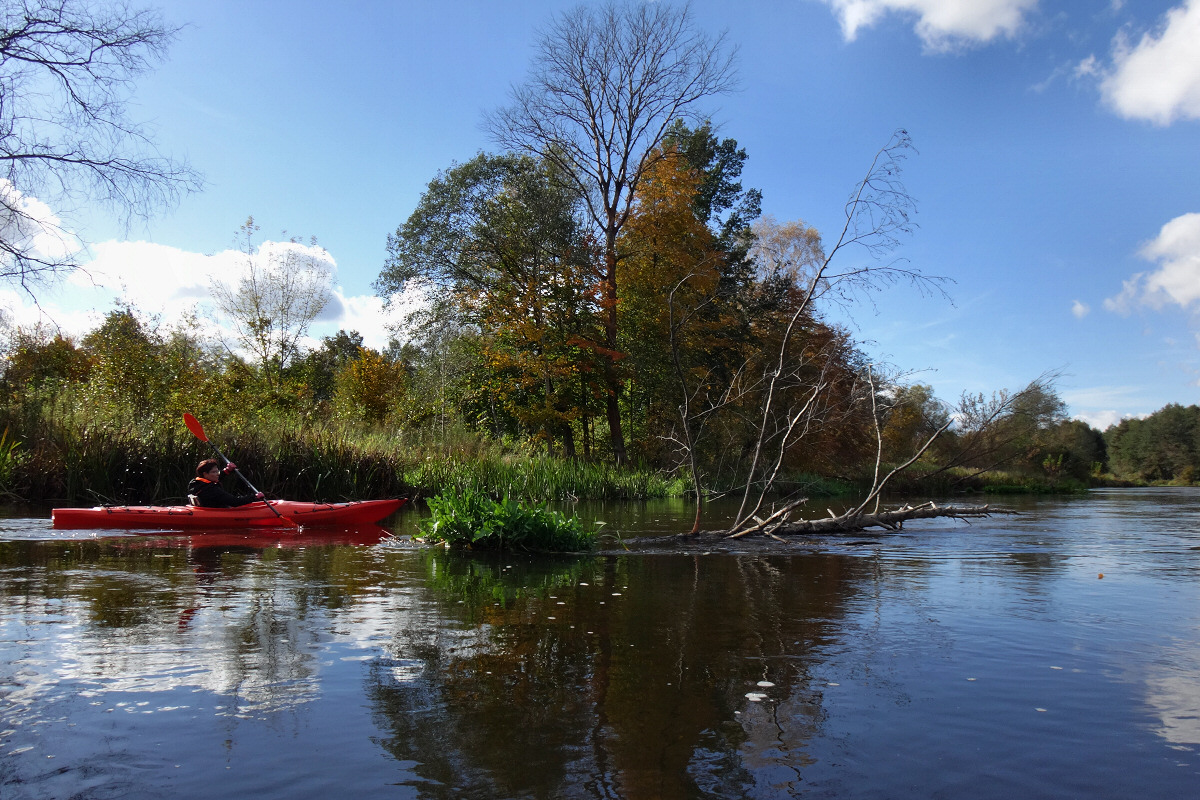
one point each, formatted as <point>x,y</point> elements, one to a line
<point>205,490</point>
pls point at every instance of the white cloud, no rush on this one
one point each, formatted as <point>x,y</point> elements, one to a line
<point>1080,310</point>
<point>1177,279</point>
<point>170,283</point>
<point>1177,249</point>
<point>18,312</point>
<point>366,314</point>
<point>1124,302</point>
<point>32,226</point>
<point>1159,78</point>
<point>941,24</point>
<point>1101,420</point>
<point>154,277</point>
<point>1097,404</point>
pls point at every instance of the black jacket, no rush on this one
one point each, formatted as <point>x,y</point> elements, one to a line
<point>211,495</point>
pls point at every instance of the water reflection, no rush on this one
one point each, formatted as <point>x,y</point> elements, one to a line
<point>620,676</point>
<point>898,666</point>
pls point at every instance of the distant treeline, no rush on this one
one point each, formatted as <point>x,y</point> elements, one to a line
<point>1164,446</point>
<point>712,372</point>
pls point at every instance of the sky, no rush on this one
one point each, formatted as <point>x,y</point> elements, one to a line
<point>1056,167</point>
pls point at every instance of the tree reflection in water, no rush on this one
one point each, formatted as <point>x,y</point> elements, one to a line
<point>610,676</point>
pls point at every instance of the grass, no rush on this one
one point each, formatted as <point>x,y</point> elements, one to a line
<point>58,452</point>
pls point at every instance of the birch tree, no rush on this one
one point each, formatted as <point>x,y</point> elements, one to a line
<point>282,289</point>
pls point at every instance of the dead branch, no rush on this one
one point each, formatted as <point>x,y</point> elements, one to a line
<point>855,520</point>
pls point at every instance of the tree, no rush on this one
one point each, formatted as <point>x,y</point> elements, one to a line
<point>36,360</point>
<point>283,287</point>
<point>1163,446</point>
<point>605,85</point>
<point>1003,429</point>
<point>501,243</point>
<point>806,378</point>
<point>369,385</point>
<point>910,415</point>
<point>670,253</point>
<point>124,349</point>
<point>687,239</point>
<point>720,201</point>
<point>1072,448</point>
<point>319,369</point>
<point>66,67</point>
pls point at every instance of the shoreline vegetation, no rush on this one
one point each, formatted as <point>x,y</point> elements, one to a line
<point>100,422</point>
<point>68,460</point>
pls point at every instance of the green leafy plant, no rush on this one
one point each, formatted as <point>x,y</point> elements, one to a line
<point>467,519</point>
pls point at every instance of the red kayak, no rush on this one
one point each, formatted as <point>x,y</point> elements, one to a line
<point>254,515</point>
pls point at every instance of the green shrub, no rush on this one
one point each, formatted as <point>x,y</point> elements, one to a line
<point>469,519</point>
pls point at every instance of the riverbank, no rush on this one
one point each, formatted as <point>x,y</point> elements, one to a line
<point>62,460</point>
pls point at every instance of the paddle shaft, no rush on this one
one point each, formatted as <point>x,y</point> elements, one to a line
<point>236,471</point>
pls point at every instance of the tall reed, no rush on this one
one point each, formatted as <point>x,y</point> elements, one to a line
<point>63,450</point>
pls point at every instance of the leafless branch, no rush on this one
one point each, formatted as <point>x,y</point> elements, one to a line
<point>66,67</point>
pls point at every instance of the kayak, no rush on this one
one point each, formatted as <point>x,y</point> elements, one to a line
<point>253,515</point>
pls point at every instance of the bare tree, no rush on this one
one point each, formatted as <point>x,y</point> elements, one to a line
<point>792,391</point>
<point>878,212</point>
<point>604,86</point>
<point>281,291</point>
<point>66,68</point>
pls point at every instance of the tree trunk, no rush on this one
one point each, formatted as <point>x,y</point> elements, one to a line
<point>854,520</point>
<point>611,375</point>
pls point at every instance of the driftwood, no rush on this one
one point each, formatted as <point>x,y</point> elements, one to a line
<point>858,520</point>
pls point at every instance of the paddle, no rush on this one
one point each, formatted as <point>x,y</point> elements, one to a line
<point>197,430</point>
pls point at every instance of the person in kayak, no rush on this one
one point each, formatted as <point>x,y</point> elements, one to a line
<point>205,491</point>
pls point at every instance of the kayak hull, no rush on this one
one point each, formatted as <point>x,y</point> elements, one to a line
<point>253,515</point>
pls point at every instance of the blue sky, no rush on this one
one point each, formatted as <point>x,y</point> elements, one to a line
<point>1057,173</point>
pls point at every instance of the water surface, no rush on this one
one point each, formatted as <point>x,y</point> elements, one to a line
<point>1052,654</point>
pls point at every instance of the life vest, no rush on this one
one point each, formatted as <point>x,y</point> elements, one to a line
<point>195,499</point>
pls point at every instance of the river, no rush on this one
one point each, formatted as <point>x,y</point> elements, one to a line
<point>1054,653</point>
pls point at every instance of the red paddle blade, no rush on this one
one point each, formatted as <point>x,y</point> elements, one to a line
<point>195,427</point>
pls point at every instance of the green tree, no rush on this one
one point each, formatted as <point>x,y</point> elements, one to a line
<point>1070,448</point>
<point>1164,446</point>
<point>911,414</point>
<point>125,368</point>
<point>1004,430</point>
<point>720,201</point>
<point>369,385</point>
<point>500,243</point>
<point>40,361</point>
<point>319,368</point>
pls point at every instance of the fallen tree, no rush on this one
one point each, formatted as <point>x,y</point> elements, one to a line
<point>779,524</point>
